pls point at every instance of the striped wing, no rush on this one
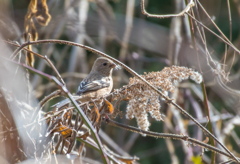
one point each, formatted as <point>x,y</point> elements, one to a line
<point>86,86</point>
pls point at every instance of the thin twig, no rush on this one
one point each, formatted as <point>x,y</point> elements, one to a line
<point>230,44</point>
<point>43,57</point>
<point>230,27</point>
<point>203,84</point>
<point>227,162</point>
<point>109,141</point>
<point>122,158</point>
<point>94,146</point>
<point>209,117</point>
<point>216,69</point>
<point>44,101</point>
<point>188,7</point>
<point>55,70</point>
<point>49,97</point>
<point>217,27</point>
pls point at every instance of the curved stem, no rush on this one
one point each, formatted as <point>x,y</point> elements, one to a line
<point>188,7</point>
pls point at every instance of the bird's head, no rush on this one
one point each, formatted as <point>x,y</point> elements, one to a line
<point>103,66</point>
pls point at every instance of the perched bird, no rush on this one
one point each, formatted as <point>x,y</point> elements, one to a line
<point>97,84</point>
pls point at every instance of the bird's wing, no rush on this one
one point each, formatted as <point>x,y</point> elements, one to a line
<point>86,86</point>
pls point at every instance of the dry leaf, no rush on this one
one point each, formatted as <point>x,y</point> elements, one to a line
<point>36,9</point>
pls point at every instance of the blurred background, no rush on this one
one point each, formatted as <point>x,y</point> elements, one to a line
<point>119,29</point>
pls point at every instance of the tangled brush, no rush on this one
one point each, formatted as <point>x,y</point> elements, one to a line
<point>68,125</point>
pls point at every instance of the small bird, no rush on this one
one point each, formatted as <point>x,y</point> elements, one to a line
<point>97,84</point>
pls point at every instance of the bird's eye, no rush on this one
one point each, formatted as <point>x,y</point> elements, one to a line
<point>104,64</point>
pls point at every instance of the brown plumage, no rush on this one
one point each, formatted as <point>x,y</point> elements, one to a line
<point>97,84</point>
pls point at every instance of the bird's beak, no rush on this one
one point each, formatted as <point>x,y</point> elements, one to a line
<point>113,65</point>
